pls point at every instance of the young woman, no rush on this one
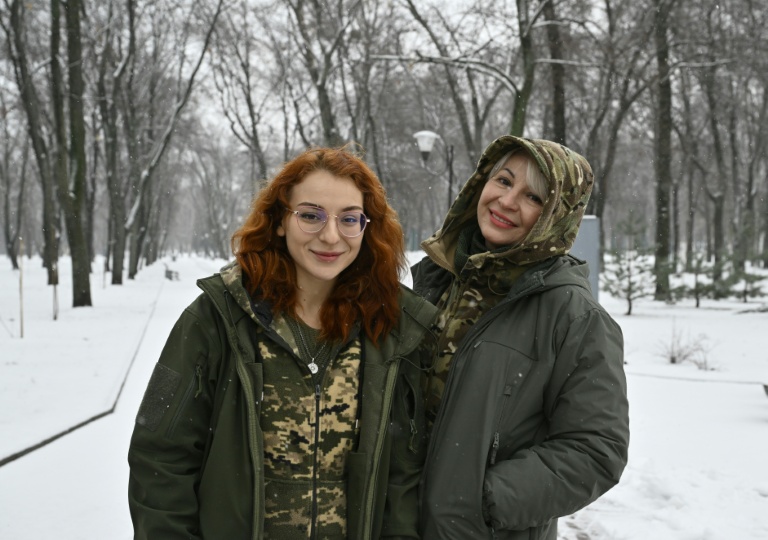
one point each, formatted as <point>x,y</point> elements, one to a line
<point>284,404</point>
<point>526,398</point>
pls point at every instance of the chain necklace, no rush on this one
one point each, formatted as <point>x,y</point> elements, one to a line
<point>296,327</point>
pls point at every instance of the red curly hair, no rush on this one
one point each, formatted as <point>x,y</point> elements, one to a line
<point>367,290</point>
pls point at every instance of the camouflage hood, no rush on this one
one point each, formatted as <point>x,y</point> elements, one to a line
<point>570,184</point>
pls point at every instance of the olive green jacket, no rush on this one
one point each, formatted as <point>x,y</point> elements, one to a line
<point>533,420</point>
<point>196,454</point>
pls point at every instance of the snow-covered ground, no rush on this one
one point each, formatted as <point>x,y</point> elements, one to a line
<point>698,467</point>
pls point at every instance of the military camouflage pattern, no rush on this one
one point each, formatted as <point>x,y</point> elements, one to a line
<point>232,276</point>
<point>487,277</point>
<point>570,185</point>
<point>305,446</point>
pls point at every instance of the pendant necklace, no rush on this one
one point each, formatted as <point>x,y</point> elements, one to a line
<point>313,367</point>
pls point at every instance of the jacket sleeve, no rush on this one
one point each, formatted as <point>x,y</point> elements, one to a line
<point>585,448</point>
<point>169,439</point>
<point>408,452</point>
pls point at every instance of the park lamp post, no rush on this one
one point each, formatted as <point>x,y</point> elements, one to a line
<point>425,139</point>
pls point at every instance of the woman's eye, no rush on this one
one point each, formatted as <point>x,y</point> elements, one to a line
<point>503,181</point>
<point>311,216</point>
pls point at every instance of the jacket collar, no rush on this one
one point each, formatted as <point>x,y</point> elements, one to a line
<point>417,313</point>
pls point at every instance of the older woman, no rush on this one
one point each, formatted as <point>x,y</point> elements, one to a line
<point>526,397</point>
<point>284,402</point>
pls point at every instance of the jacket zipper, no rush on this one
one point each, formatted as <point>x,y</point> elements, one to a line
<point>410,409</point>
<point>313,523</point>
<point>197,381</point>
<point>495,443</point>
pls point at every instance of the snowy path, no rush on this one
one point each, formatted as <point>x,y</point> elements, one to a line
<point>76,487</point>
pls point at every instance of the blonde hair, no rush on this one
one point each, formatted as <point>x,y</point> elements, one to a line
<point>533,175</point>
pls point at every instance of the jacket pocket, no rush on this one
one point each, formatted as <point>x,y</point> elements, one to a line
<point>511,367</point>
<point>193,390</point>
<point>158,396</point>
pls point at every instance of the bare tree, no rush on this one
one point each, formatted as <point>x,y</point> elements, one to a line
<point>112,62</point>
<point>71,175</point>
<point>556,54</point>
<point>14,148</point>
<point>143,173</point>
<point>15,29</point>
<point>623,78</point>
<point>239,76</point>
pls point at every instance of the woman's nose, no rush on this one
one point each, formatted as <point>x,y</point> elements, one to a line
<point>510,199</point>
<point>330,233</point>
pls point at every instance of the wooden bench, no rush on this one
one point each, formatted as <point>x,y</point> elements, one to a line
<point>171,275</point>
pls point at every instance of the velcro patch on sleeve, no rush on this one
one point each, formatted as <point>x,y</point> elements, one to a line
<point>158,397</point>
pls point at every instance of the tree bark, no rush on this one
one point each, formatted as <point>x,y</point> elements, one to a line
<point>35,126</point>
<point>663,151</point>
<point>716,195</point>
<point>523,94</point>
<point>12,230</point>
<point>107,99</point>
<point>72,192</point>
<point>555,41</point>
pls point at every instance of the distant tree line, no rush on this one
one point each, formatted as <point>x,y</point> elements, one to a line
<point>135,128</point>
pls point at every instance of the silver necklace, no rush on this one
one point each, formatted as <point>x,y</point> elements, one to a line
<point>312,365</point>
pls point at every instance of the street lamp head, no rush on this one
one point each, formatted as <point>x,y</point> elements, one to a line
<point>426,141</point>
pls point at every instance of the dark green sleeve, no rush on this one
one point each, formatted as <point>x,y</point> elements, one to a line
<point>408,452</point>
<point>169,438</point>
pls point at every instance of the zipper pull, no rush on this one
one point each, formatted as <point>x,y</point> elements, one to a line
<point>414,432</point>
<point>495,447</point>
<point>199,372</point>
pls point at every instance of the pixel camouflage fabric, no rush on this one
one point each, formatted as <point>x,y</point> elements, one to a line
<point>307,436</point>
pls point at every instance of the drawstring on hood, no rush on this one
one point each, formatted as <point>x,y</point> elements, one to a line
<point>570,181</point>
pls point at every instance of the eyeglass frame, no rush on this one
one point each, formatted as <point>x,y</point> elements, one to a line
<point>365,221</point>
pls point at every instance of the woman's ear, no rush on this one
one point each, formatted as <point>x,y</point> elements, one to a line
<point>280,230</point>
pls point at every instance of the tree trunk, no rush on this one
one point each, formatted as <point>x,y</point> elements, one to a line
<point>764,250</point>
<point>72,193</point>
<point>558,72</point>
<point>523,94</point>
<point>109,125</point>
<point>11,231</point>
<point>739,225</point>
<point>31,104</point>
<point>717,196</point>
<point>689,220</point>
<point>663,151</point>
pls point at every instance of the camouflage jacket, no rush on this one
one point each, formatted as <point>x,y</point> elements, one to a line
<point>234,432</point>
<point>532,418</point>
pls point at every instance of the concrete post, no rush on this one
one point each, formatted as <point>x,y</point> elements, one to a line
<point>587,247</point>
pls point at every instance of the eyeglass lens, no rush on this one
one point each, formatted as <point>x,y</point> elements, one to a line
<point>312,220</point>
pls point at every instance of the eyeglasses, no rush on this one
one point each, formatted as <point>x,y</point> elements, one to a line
<point>312,220</point>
